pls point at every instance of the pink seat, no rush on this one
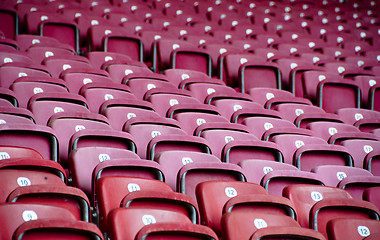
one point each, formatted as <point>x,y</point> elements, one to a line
<point>172,161</point>
<point>275,181</point>
<point>289,143</point>
<point>83,161</point>
<point>259,125</point>
<point>16,115</point>
<point>308,156</point>
<point>37,137</point>
<point>145,130</point>
<point>25,87</point>
<point>262,95</point>
<point>229,102</point>
<point>163,98</point>
<point>97,93</point>
<point>356,185</point>
<point>57,65</point>
<point>219,134</point>
<point>332,175</point>
<point>240,150</point>
<point>118,111</point>
<point>371,162</point>
<point>65,124</point>
<point>7,98</point>
<point>76,78</point>
<point>359,149</point>
<point>176,76</point>
<point>118,71</point>
<point>45,105</point>
<point>39,52</point>
<point>137,219</point>
<point>140,83</point>
<point>373,97</point>
<point>327,130</point>
<point>9,72</point>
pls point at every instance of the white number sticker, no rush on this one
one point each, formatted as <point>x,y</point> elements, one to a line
<point>367,148</point>
<point>363,231</point>
<point>267,170</point>
<point>104,157</point>
<point>173,102</point>
<point>4,155</point>
<point>186,160</point>
<point>133,187</point>
<point>268,125</point>
<point>131,115</point>
<point>23,181</point>
<point>260,223</point>
<point>200,121</point>
<point>210,90</point>
<point>148,219</point>
<point>29,215</point>
<point>341,175</point>
<point>79,127</point>
<point>333,131</point>
<point>155,134</point>
<point>316,196</point>
<point>230,192</point>
<point>37,90</point>
<point>299,143</point>
<point>237,107</point>
<point>228,139</point>
<point>299,112</point>
<point>108,96</point>
<point>58,109</point>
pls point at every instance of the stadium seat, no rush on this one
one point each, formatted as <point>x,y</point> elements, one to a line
<point>351,228</point>
<point>213,195</point>
<point>63,229</point>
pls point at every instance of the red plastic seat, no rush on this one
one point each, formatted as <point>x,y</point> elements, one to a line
<point>213,195</point>
<point>196,172</point>
<point>137,219</point>
<point>63,229</point>
<point>172,161</point>
<point>111,191</point>
<point>352,228</point>
<point>372,195</point>
<point>72,199</point>
<point>260,221</point>
<point>305,196</point>
<point>327,130</point>
<point>324,211</point>
<point>356,185</point>
<point>177,230</point>
<point>13,215</point>
<point>39,52</point>
<point>57,65</point>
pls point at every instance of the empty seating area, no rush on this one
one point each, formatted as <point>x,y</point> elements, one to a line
<point>190,119</point>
